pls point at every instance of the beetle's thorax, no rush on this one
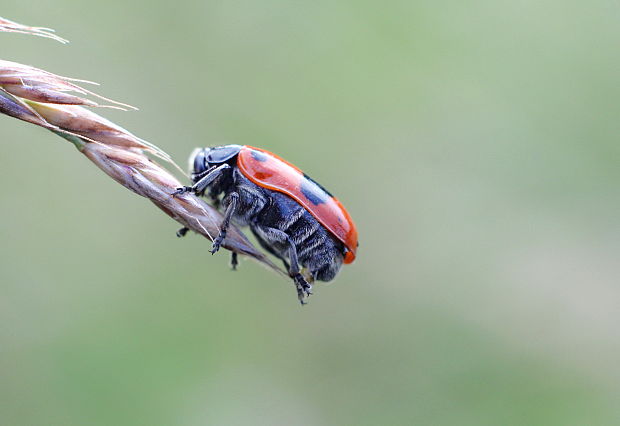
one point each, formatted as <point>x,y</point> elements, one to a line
<point>252,198</point>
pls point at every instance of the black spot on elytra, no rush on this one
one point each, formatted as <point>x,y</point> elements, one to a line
<point>313,192</point>
<point>259,156</point>
<point>318,184</point>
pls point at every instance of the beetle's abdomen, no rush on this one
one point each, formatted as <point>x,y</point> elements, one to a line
<point>317,249</point>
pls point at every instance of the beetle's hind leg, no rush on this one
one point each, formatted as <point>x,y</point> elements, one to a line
<point>273,235</point>
<point>303,287</point>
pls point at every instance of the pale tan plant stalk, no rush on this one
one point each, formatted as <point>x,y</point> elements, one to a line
<point>57,103</point>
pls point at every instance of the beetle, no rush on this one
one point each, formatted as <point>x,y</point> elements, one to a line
<point>292,216</point>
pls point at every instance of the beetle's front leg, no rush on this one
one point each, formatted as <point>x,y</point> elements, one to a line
<point>205,181</point>
<point>231,200</point>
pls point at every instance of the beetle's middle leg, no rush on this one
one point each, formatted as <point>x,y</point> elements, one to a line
<point>234,261</point>
<point>231,200</point>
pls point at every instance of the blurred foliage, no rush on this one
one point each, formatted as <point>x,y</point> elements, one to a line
<point>474,143</point>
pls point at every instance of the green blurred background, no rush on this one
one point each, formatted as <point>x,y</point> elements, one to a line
<point>474,143</point>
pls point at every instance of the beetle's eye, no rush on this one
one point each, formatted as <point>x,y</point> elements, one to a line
<point>197,161</point>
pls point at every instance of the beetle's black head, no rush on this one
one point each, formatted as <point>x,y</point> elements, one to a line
<point>204,158</point>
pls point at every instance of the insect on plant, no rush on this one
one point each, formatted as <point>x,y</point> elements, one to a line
<point>292,217</point>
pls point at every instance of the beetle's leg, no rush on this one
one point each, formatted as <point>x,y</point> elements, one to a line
<point>203,182</point>
<point>231,200</point>
<point>304,288</point>
<point>182,232</point>
<point>234,261</point>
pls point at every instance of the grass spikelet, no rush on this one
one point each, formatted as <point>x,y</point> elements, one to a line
<point>14,27</point>
<point>58,104</point>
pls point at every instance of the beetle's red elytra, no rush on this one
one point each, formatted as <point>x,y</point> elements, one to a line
<point>270,171</point>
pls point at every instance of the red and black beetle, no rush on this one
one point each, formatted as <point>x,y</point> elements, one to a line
<point>292,216</point>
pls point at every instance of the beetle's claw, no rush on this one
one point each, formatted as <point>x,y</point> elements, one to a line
<point>183,190</point>
<point>218,242</point>
<point>182,232</point>
<point>216,245</point>
<point>304,288</point>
